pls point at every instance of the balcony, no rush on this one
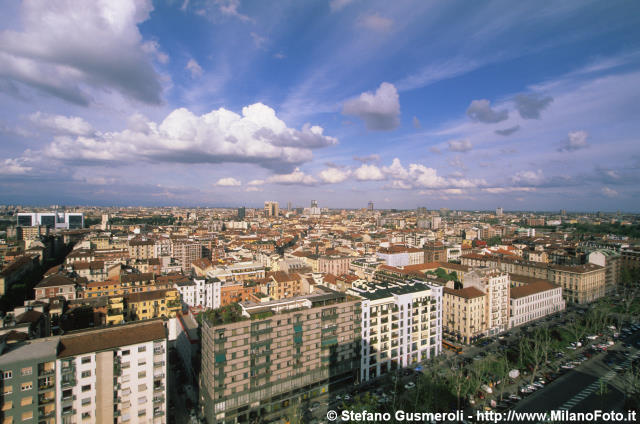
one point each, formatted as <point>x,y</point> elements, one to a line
<point>45,386</point>
<point>68,383</point>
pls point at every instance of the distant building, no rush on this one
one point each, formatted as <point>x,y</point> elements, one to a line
<point>242,212</point>
<point>370,206</point>
<point>499,212</point>
<point>62,220</point>
<point>271,209</point>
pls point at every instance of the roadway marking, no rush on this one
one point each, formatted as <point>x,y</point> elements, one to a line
<point>587,391</point>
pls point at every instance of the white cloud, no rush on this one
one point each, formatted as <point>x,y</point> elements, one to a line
<point>334,175</point>
<point>296,177</point>
<point>253,189</point>
<point>230,8</point>
<point>575,140</point>
<point>396,170</point>
<point>609,192</point>
<point>14,167</point>
<point>460,145</point>
<point>501,190</point>
<point>194,68</point>
<point>72,125</point>
<point>368,173</point>
<point>528,178</point>
<point>380,111</point>
<point>104,50</point>
<point>257,136</point>
<point>376,23</point>
<point>256,182</point>
<point>480,110</point>
<point>228,182</point>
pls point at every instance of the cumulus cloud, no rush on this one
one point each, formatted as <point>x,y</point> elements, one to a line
<point>481,111</point>
<point>576,140</point>
<point>252,189</point>
<point>609,192</point>
<point>230,8</point>
<point>529,106</point>
<point>396,170</point>
<point>528,178</point>
<point>368,173</point>
<point>296,177</point>
<point>380,111</point>
<point>60,124</point>
<point>43,53</point>
<point>508,131</point>
<point>376,23</point>
<point>228,182</point>
<point>257,136</point>
<point>460,145</point>
<point>256,182</point>
<point>501,190</point>
<point>194,68</point>
<point>14,167</point>
<point>420,176</point>
<point>334,175</point>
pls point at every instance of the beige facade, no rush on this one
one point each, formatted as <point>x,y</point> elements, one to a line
<point>496,285</point>
<point>464,314</point>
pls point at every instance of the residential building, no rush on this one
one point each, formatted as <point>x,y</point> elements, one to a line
<point>28,372</point>
<point>185,252</point>
<point>64,220</point>
<point>153,304</point>
<point>281,285</point>
<point>495,284</point>
<point>56,285</point>
<point>611,261</point>
<point>580,283</point>
<point>464,314</point>
<point>287,351</point>
<point>141,249</point>
<point>336,265</point>
<point>534,301</point>
<point>200,292</point>
<point>401,325</point>
<point>113,375</point>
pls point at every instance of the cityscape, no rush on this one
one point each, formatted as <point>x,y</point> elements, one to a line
<point>236,211</point>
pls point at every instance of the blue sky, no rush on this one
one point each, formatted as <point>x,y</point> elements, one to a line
<point>469,105</point>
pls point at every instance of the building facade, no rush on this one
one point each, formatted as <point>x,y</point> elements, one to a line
<point>534,301</point>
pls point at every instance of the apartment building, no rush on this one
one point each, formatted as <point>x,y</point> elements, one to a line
<point>398,256</point>
<point>580,283</point>
<point>185,252</point>
<point>401,325</point>
<point>56,285</point>
<point>630,257</point>
<point>611,261</point>
<point>141,249</point>
<point>336,265</point>
<point>153,304</point>
<point>533,301</point>
<point>271,209</point>
<point>464,314</point>
<point>496,285</point>
<point>200,292</point>
<point>276,354</point>
<point>112,375</point>
<point>28,373</point>
<point>281,285</point>
<point>64,220</point>
<point>239,271</point>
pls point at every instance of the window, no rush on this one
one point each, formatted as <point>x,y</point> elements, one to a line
<point>27,415</point>
<point>7,375</point>
<point>7,390</point>
<point>86,401</point>
<point>86,415</point>
<point>86,388</point>
<point>26,401</point>
<point>27,371</point>
<point>142,362</point>
<point>142,348</point>
<point>142,413</point>
<point>142,374</point>
<point>125,352</point>
<point>86,374</point>
<point>26,386</point>
<point>86,359</point>
<point>7,405</point>
<point>7,420</point>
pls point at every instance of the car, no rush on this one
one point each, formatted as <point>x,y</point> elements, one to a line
<point>338,397</point>
<point>347,397</point>
<point>410,385</point>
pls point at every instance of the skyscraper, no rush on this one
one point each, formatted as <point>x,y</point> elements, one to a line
<point>241,213</point>
<point>271,208</point>
<point>370,205</point>
<point>499,211</point>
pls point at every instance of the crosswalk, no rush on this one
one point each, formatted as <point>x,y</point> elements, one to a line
<point>591,388</point>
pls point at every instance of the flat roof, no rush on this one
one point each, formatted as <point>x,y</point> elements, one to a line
<point>32,350</point>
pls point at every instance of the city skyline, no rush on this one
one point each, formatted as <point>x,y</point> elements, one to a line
<point>231,103</point>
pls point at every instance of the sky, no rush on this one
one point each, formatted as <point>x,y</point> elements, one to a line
<point>528,105</point>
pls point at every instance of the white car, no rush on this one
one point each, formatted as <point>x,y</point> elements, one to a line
<point>410,385</point>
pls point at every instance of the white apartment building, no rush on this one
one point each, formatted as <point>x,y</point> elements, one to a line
<point>533,301</point>
<point>200,292</point>
<point>63,220</point>
<point>113,375</point>
<point>401,325</point>
<point>496,284</point>
<point>400,256</point>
